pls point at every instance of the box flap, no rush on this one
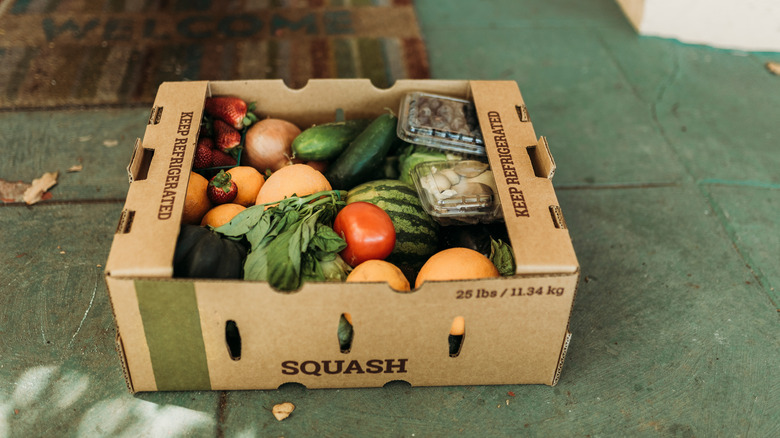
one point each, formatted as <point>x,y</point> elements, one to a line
<point>159,172</point>
<point>319,99</point>
<point>523,167</point>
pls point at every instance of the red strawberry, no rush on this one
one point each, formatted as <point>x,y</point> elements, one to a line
<point>222,159</point>
<point>231,110</point>
<point>222,189</point>
<point>203,155</point>
<point>225,137</point>
<point>206,141</point>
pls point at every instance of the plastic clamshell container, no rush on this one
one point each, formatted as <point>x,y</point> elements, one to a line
<point>440,122</point>
<point>457,191</point>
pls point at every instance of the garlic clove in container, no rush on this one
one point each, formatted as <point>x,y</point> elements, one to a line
<point>437,186</point>
<point>472,189</point>
<point>484,178</point>
<point>470,168</point>
<point>441,181</point>
<point>451,175</point>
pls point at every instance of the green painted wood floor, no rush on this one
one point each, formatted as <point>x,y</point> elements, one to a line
<point>669,176</point>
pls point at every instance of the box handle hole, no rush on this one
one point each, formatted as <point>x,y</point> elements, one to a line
<point>138,169</point>
<point>233,339</point>
<point>535,162</point>
<point>456,336</point>
<point>541,159</point>
<point>345,332</point>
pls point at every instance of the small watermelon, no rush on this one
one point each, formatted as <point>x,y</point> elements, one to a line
<point>416,233</point>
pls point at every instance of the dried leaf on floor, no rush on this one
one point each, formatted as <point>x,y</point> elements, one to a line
<point>283,410</point>
<point>12,191</point>
<point>773,67</point>
<point>39,187</point>
<point>76,168</point>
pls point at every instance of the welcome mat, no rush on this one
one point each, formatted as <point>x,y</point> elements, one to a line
<point>65,53</point>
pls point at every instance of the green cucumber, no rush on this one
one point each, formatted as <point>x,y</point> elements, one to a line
<point>416,233</point>
<point>364,158</point>
<point>328,140</point>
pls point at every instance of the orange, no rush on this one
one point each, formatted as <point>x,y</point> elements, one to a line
<point>458,327</point>
<point>196,202</point>
<point>221,214</point>
<point>379,270</point>
<point>456,264</point>
<point>248,181</point>
<point>292,180</point>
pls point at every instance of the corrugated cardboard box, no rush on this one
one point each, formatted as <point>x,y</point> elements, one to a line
<point>171,333</point>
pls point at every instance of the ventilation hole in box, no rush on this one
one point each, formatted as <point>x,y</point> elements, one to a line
<point>345,332</point>
<point>456,336</point>
<point>522,113</point>
<point>233,339</point>
<point>128,221</point>
<point>339,116</point>
<point>557,217</point>
<point>155,115</point>
<point>125,221</point>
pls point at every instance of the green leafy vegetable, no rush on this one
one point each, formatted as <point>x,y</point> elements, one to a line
<point>334,268</point>
<point>411,155</point>
<point>502,257</point>
<point>290,242</point>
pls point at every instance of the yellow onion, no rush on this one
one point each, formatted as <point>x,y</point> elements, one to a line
<point>268,144</point>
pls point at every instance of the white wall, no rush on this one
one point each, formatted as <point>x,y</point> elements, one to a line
<point>751,25</point>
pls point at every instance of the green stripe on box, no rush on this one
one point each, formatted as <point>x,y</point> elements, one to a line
<point>169,311</point>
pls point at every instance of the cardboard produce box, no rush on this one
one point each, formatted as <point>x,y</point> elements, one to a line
<point>171,333</point>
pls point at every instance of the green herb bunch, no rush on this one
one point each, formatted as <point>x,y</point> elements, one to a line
<point>292,242</point>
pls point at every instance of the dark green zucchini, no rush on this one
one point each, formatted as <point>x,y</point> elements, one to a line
<point>327,141</point>
<point>363,159</point>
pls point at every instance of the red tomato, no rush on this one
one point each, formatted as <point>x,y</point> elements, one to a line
<point>368,230</point>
